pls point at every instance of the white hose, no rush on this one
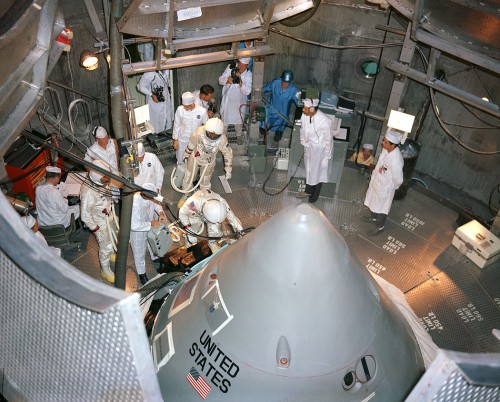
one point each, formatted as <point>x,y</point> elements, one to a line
<point>190,181</point>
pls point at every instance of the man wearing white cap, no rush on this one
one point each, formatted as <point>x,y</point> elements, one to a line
<point>150,169</point>
<point>363,157</point>
<point>97,214</point>
<point>188,117</point>
<point>386,179</point>
<point>33,225</point>
<point>201,153</point>
<point>156,86</point>
<point>51,206</point>
<point>106,150</point>
<point>316,135</point>
<point>237,85</point>
<point>146,213</point>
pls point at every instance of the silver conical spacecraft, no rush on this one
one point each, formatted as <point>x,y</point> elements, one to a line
<point>284,314</point>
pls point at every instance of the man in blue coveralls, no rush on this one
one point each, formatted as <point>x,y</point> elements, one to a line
<point>283,93</point>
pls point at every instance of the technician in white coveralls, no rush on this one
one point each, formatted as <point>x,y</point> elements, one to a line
<point>156,86</point>
<point>385,180</point>
<point>51,206</point>
<point>150,169</point>
<point>316,135</point>
<point>188,117</point>
<point>97,214</point>
<point>146,213</point>
<point>205,206</point>
<point>237,85</point>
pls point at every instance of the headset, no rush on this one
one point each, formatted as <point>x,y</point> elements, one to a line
<point>94,131</point>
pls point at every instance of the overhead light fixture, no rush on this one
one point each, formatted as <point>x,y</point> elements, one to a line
<point>89,60</point>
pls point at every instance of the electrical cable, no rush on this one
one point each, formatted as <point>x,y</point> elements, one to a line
<point>336,47</point>
<point>497,187</point>
<point>289,181</point>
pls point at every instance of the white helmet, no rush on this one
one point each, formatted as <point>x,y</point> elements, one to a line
<point>214,125</point>
<point>214,211</point>
<point>95,176</point>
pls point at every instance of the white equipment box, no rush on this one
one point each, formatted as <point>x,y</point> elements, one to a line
<point>283,156</point>
<point>477,243</point>
<point>143,125</point>
<point>159,240</point>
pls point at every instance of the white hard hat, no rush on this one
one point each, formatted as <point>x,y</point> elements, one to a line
<point>245,60</point>
<point>140,149</point>
<point>368,146</point>
<point>95,176</point>
<point>214,211</point>
<point>187,98</point>
<point>214,125</point>
<point>311,102</point>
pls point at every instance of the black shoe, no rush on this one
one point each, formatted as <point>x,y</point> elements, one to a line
<point>143,279</point>
<point>375,231</point>
<point>368,218</point>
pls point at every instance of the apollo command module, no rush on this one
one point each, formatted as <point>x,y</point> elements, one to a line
<point>284,314</point>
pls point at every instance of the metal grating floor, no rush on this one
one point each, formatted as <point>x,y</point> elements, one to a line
<point>457,302</point>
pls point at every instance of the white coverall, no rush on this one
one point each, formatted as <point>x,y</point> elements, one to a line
<point>108,155</point>
<point>233,97</point>
<point>316,135</point>
<point>202,151</point>
<point>386,179</point>
<point>150,171</point>
<point>161,114</point>
<point>97,212</point>
<point>191,214</point>
<point>52,207</point>
<point>185,122</point>
<point>143,212</point>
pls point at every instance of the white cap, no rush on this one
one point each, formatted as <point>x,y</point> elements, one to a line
<point>140,149</point>
<point>214,211</point>
<point>187,98</point>
<point>53,169</point>
<point>368,146</point>
<point>96,176</point>
<point>149,186</point>
<point>28,220</point>
<point>393,136</point>
<point>214,125</point>
<point>245,60</point>
<point>311,102</point>
<point>100,132</point>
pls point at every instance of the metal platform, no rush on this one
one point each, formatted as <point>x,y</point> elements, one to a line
<point>457,302</point>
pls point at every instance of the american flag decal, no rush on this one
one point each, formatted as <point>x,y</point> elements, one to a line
<point>198,382</point>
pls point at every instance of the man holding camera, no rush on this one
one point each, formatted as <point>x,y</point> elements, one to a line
<point>205,97</point>
<point>237,85</point>
<point>156,86</point>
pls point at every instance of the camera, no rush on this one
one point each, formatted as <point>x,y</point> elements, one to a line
<point>212,107</point>
<point>234,71</point>
<point>158,92</point>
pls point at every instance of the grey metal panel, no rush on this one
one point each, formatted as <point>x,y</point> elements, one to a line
<point>64,336</point>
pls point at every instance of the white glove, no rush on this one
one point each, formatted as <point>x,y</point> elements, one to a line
<point>192,239</point>
<point>228,176</point>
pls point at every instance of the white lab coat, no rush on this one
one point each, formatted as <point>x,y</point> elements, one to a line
<point>201,152</point>
<point>185,122</point>
<point>97,211</point>
<point>107,155</point>
<point>386,179</point>
<point>191,213</point>
<point>143,212</point>
<point>316,135</point>
<point>150,171</point>
<point>234,96</point>
<point>52,207</point>
<point>161,114</point>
